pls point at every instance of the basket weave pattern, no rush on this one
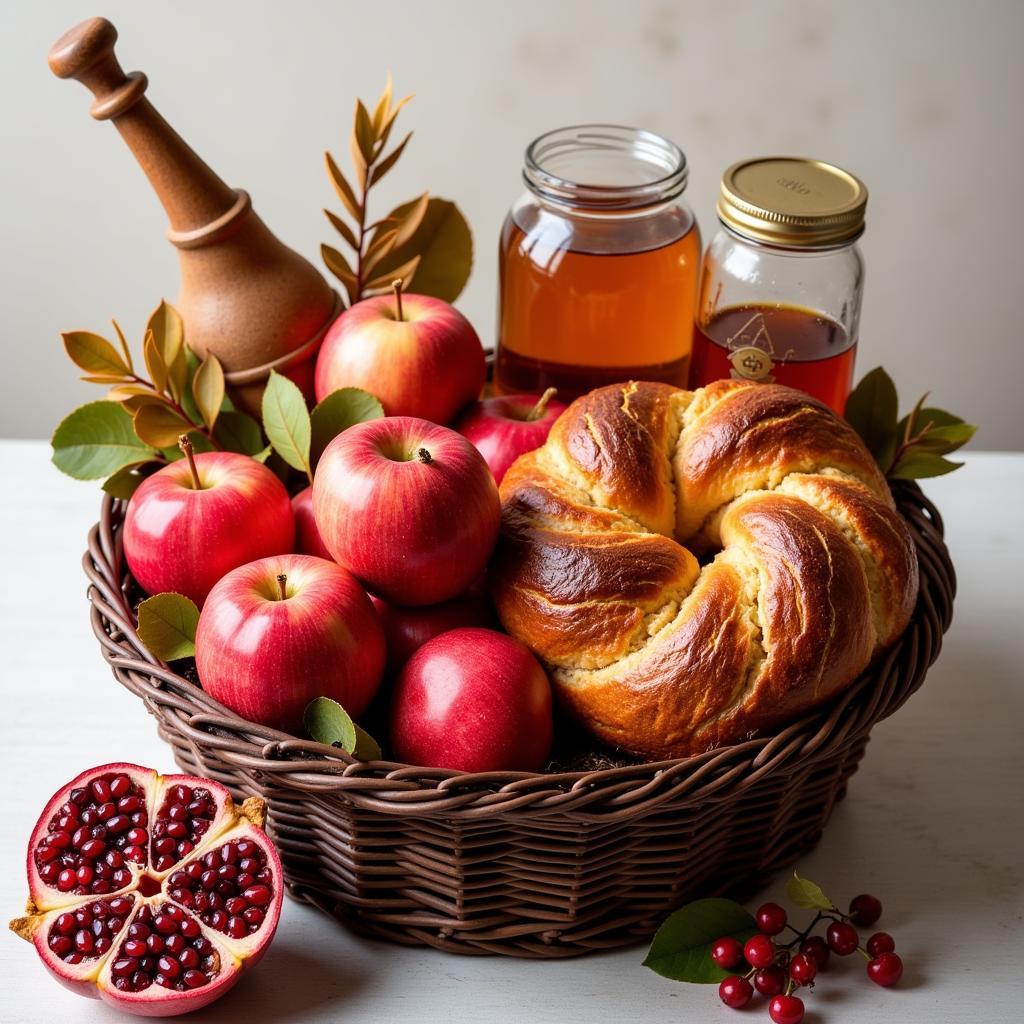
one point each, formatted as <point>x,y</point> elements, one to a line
<point>525,864</point>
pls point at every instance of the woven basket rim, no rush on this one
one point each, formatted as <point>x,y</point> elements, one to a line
<point>396,788</point>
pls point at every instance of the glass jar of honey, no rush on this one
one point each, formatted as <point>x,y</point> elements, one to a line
<point>598,264</point>
<point>781,282</point>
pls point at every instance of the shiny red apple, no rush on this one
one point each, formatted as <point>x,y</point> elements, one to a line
<point>426,361</point>
<point>409,507</point>
<point>276,633</point>
<point>408,629</point>
<point>474,700</point>
<point>200,517</point>
<point>504,427</point>
<point>307,536</point>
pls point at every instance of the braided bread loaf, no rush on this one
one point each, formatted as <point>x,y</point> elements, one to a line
<point>815,571</point>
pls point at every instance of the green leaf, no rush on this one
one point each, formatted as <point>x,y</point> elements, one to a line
<point>239,432</point>
<point>188,403</point>
<point>806,894</point>
<point>340,410</point>
<point>94,354</point>
<point>328,722</point>
<point>123,483</point>
<point>938,417</point>
<point>681,949</point>
<point>208,389</point>
<point>159,425</point>
<point>97,440</point>
<point>918,464</point>
<point>167,626</point>
<point>873,410</point>
<point>947,439</point>
<point>286,421</point>
<point>444,243</point>
<point>263,455</point>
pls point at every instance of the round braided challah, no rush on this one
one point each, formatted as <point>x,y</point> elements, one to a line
<point>806,570</point>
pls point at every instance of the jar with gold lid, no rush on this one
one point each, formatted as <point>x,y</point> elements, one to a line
<point>781,283</point>
<point>598,264</point>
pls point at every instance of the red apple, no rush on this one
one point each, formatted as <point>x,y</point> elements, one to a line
<point>474,700</point>
<point>408,629</point>
<point>200,517</point>
<point>307,536</point>
<point>409,507</point>
<point>426,362</point>
<point>276,633</point>
<point>504,427</point>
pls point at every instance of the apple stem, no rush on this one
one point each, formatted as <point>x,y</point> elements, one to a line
<point>186,446</point>
<point>396,287</point>
<point>424,456</point>
<point>282,585</point>
<point>542,403</point>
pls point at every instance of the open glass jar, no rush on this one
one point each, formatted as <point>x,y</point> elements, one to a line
<point>781,283</point>
<point>598,264</point>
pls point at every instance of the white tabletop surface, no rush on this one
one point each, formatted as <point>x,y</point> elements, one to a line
<point>932,823</point>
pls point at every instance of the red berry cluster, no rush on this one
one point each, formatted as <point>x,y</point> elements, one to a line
<point>778,969</point>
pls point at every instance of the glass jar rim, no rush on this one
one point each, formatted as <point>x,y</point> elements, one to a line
<point>664,157</point>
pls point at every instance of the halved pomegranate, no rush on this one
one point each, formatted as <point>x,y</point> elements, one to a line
<point>151,892</point>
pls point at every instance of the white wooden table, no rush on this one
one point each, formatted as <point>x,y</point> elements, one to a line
<point>933,822</point>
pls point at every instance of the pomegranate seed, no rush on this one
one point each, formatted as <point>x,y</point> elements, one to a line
<point>208,879</point>
<point>65,924</point>
<point>175,944</point>
<point>136,837</point>
<point>165,925</point>
<point>80,797</point>
<point>163,862</point>
<point>89,816</point>
<point>194,870</point>
<point>129,804</point>
<point>140,818</point>
<point>237,928</point>
<point>120,906</point>
<point>66,880</point>
<point>229,853</point>
<point>227,871</point>
<point>247,848</point>
<point>165,845</point>
<point>189,958</point>
<point>49,872</point>
<point>103,944</point>
<point>177,812</point>
<point>82,835</point>
<point>122,968</point>
<point>155,944</point>
<point>185,847</point>
<point>100,791</point>
<point>190,928</point>
<point>61,945</point>
<point>84,917</point>
<point>195,979</point>
<point>134,947</point>
<point>253,916</point>
<point>261,896</point>
<point>218,919</point>
<point>118,823</point>
<point>114,858</point>
<point>169,967</point>
<point>107,810</point>
<point>120,785</point>
<point>176,830</point>
<point>136,854</point>
<point>83,941</point>
<point>237,904</point>
<point>93,848</point>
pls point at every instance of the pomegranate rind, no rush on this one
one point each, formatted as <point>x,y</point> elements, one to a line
<point>252,947</point>
<point>47,897</point>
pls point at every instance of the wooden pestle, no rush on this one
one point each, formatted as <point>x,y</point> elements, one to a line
<point>245,296</point>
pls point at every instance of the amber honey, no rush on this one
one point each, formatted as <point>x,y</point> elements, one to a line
<point>783,344</point>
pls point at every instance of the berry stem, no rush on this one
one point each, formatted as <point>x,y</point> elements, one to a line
<point>282,585</point>
<point>186,446</point>
<point>396,287</point>
<point>424,456</point>
<point>542,403</point>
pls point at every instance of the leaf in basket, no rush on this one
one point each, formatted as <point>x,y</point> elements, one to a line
<point>208,389</point>
<point>681,949</point>
<point>918,464</point>
<point>286,421</point>
<point>807,894</point>
<point>340,410</point>
<point>155,364</point>
<point>167,626</point>
<point>873,410</point>
<point>95,355</point>
<point>123,483</point>
<point>238,432</point>
<point>329,723</point>
<point>159,425</point>
<point>168,332</point>
<point>443,242</point>
<point>97,440</point>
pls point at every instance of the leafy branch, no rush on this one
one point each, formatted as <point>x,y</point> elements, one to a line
<point>426,238</point>
<point>911,448</point>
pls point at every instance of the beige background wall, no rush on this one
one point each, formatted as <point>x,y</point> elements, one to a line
<point>922,100</point>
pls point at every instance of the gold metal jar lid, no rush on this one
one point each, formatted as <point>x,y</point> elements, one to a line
<point>793,202</point>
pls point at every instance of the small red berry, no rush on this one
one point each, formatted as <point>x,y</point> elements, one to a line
<point>885,970</point>
<point>759,951</point>
<point>802,969</point>
<point>735,991</point>
<point>727,952</point>
<point>865,910</point>
<point>770,918</point>
<point>786,1010</point>
<point>879,943</point>
<point>770,981</point>
<point>817,949</point>
<point>842,938</point>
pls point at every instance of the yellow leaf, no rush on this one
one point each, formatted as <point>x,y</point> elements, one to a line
<point>123,391</point>
<point>411,222</point>
<point>383,107</point>
<point>406,272</point>
<point>343,188</point>
<point>342,228</point>
<point>125,351</point>
<point>208,389</point>
<point>358,162</point>
<point>133,403</point>
<point>389,121</point>
<point>338,266</point>
<point>94,354</point>
<point>389,161</point>
<point>159,425</point>
<point>104,378</point>
<point>168,331</point>
<point>362,132</point>
<point>155,364</point>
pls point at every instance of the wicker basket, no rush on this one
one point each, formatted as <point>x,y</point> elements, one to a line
<point>526,864</point>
